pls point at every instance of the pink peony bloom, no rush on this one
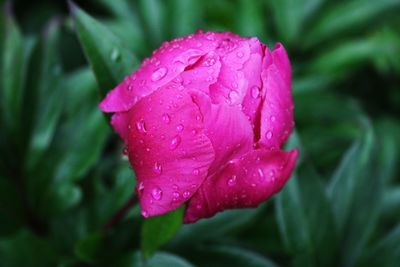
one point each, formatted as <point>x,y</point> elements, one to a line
<point>204,119</point>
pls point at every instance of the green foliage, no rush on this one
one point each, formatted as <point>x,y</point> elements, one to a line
<point>63,177</point>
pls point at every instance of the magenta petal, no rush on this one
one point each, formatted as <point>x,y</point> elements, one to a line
<point>168,149</point>
<point>242,183</point>
<point>228,129</point>
<point>120,122</point>
<point>277,119</point>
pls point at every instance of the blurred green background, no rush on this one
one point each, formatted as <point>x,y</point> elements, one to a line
<point>63,176</point>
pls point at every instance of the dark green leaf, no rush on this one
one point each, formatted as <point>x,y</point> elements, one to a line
<point>357,181</point>
<point>26,249</point>
<point>44,96</point>
<point>160,259</point>
<point>385,253</point>
<point>250,20</point>
<point>153,12</point>
<point>156,231</point>
<point>221,256</point>
<point>185,16</point>
<point>109,58</point>
<point>346,16</point>
<point>90,248</point>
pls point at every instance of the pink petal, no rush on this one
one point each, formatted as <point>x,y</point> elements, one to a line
<point>202,74</point>
<point>164,65</point>
<point>228,129</point>
<point>168,149</point>
<point>277,109</point>
<point>120,122</point>
<point>231,86</point>
<point>242,183</point>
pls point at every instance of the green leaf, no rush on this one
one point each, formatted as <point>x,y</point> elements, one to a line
<point>26,249</point>
<point>109,58</point>
<point>222,255</point>
<point>153,15</point>
<point>12,72</point>
<point>219,225</point>
<point>345,16</point>
<point>250,19</point>
<point>44,101</point>
<point>185,16</point>
<point>306,221</point>
<point>90,248</point>
<point>160,259</point>
<point>156,231</point>
<point>357,181</point>
<point>11,210</point>
<point>385,253</point>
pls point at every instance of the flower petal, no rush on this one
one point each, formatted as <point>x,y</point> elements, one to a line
<point>168,149</point>
<point>228,129</point>
<point>277,111</point>
<point>120,122</point>
<point>243,183</point>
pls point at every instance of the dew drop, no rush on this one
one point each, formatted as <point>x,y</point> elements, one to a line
<point>158,74</point>
<point>175,187</point>
<point>198,206</point>
<point>260,172</point>
<point>186,194</point>
<point>233,96</point>
<point>232,180</point>
<point>145,214</point>
<point>141,126</point>
<point>268,135</point>
<point>140,187</point>
<point>196,171</point>
<point>156,193</point>
<point>239,54</point>
<point>253,185</point>
<point>179,127</point>
<point>166,118</point>
<point>273,118</point>
<point>157,168</point>
<point>175,142</point>
<point>255,92</point>
<point>115,55</point>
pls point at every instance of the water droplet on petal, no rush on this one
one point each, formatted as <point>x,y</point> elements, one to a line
<point>196,171</point>
<point>273,118</point>
<point>166,118</point>
<point>260,172</point>
<point>156,193</point>
<point>268,135</point>
<point>157,168</point>
<point>140,188</point>
<point>175,196</point>
<point>233,96</point>
<point>175,142</point>
<point>179,127</point>
<point>239,54</point>
<point>186,194</point>
<point>145,214</point>
<point>141,126</point>
<point>253,185</point>
<point>175,187</point>
<point>255,92</point>
<point>232,180</point>
<point>198,206</point>
<point>158,74</point>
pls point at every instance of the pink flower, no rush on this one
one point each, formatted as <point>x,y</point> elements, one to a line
<point>204,119</point>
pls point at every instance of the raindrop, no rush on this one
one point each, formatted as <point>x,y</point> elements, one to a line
<point>268,135</point>
<point>179,127</point>
<point>232,180</point>
<point>145,214</point>
<point>140,187</point>
<point>175,195</point>
<point>175,187</point>
<point>239,54</point>
<point>198,206</point>
<point>260,172</point>
<point>175,142</point>
<point>157,168</point>
<point>255,92</point>
<point>156,193</point>
<point>233,96</point>
<point>234,85</point>
<point>166,118</point>
<point>159,74</point>
<point>115,55</point>
<point>196,171</point>
<point>253,185</point>
<point>186,194</point>
<point>141,126</point>
<point>273,118</point>
<point>271,173</point>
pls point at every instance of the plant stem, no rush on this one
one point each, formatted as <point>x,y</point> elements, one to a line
<point>120,214</point>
